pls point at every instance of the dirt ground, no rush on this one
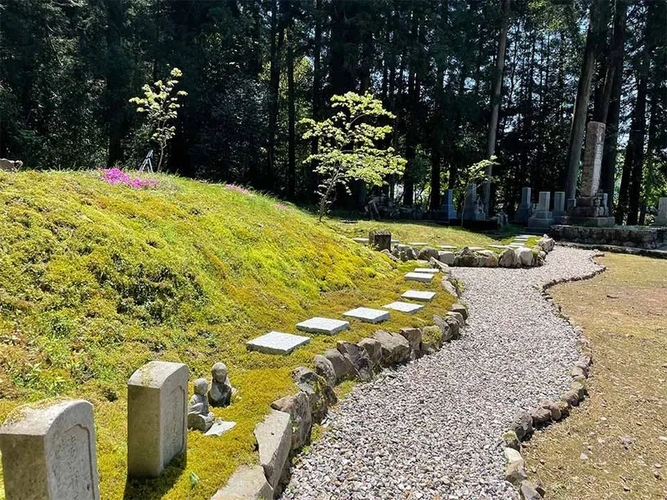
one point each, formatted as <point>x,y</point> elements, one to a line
<point>615,445</point>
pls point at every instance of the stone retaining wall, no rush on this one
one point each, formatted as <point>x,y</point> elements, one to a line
<point>625,236</point>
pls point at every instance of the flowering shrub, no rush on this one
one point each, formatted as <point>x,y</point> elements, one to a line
<point>238,189</point>
<point>117,176</point>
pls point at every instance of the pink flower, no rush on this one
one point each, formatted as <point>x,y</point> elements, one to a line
<point>117,176</point>
<point>238,189</point>
<point>280,206</point>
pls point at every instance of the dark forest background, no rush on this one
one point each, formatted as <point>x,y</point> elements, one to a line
<point>254,68</point>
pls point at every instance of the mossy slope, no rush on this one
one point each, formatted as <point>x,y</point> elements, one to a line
<point>96,280</point>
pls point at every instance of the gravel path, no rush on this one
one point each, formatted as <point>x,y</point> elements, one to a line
<point>432,429</point>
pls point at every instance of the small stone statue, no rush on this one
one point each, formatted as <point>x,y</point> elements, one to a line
<point>221,389</point>
<point>199,416</point>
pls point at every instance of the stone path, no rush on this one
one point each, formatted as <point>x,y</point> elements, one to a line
<point>432,429</point>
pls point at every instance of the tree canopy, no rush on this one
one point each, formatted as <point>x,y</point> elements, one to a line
<point>253,69</point>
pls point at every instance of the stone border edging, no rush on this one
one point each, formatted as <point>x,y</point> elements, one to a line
<point>288,427</point>
<point>654,253</point>
<point>548,412</point>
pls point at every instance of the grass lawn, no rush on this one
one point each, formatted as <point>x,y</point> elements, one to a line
<point>415,231</point>
<point>96,280</point>
<point>622,427</point>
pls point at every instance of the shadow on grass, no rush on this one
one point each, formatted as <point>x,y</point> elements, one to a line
<point>156,488</point>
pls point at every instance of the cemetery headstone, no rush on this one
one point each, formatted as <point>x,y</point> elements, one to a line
<point>157,405</point>
<point>589,209</point>
<point>661,218</point>
<point>559,206</point>
<point>49,453</point>
<point>448,206</point>
<point>542,218</point>
<point>525,208</point>
<point>472,207</point>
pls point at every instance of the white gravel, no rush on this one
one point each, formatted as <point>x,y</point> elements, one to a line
<point>432,429</point>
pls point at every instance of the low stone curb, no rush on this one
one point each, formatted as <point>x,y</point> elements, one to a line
<point>548,412</point>
<point>284,431</point>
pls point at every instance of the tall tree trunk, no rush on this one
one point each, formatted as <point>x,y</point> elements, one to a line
<point>581,104</point>
<point>291,116</point>
<point>277,37</point>
<point>436,147</point>
<point>317,90</point>
<point>117,79</point>
<point>615,80</point>
<point>496,99</point>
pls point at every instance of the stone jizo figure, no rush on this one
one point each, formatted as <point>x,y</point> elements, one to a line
<point>199,415</point>
<point>221,389</point>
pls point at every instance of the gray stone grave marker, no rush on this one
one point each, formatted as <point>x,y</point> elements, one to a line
<point>419,295</point>
<point>277,343</point>
<point>157,406</point>
<point>543,217</point>
<point>661,218</point>
<point>49,454</point>
<point>367,314</point>
<point>323,325</point>
<point>421,277</point>
<point>448,206</point>
<point>405,307</point>
<point>525,208</point>
<point>590,175</point>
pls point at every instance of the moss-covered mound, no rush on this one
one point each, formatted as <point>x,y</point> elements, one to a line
<point>97,279</point>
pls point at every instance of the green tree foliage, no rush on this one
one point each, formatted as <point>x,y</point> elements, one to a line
<point>160,104</point>
<point>68,69</point>
<point>350,146</point>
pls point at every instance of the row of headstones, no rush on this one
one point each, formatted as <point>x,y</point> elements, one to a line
<point>49,453</point>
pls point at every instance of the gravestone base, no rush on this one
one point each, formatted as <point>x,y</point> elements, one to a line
<point>573,220</point>
<point>541,220</point>
<point>523,214</point>
<point>589,211</point>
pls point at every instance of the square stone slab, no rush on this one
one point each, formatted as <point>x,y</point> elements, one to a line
<point>367,314</point>
<point>499,246</point>
<point>417,244</point>
<point>405,307</point>
<point>219,427</point>
<point>277,343</point>
<point>474,249</point>
<point>427,270</point>
<point>447,247</point>
<point>421,277</point>
<point>419,295</point>
<point>517,245</point>
<point>360,240</point>
<point>323,325</point>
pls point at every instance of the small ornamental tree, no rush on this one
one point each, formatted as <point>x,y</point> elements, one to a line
<point>349,146</point>
<point>160,104</point>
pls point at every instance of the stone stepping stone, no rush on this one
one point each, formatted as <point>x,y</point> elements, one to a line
<point>367,314</point>
<point>419,295</point>
<point>499,246</point>
<point>447,247</point>
<point>426,270</point>
<point>405,307</point>
<point>418,244</point>
<point>277,343</point>
<point>360,240</point>
<point>517,245</point>
<point>421,277</point>
<point>323,325</point>
<point>219,427</point>
<point>475,249</point>
<point>393,242</point>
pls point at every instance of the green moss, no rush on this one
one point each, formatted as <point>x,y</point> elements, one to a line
<point>431,334</point>
<point>96,280</point>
